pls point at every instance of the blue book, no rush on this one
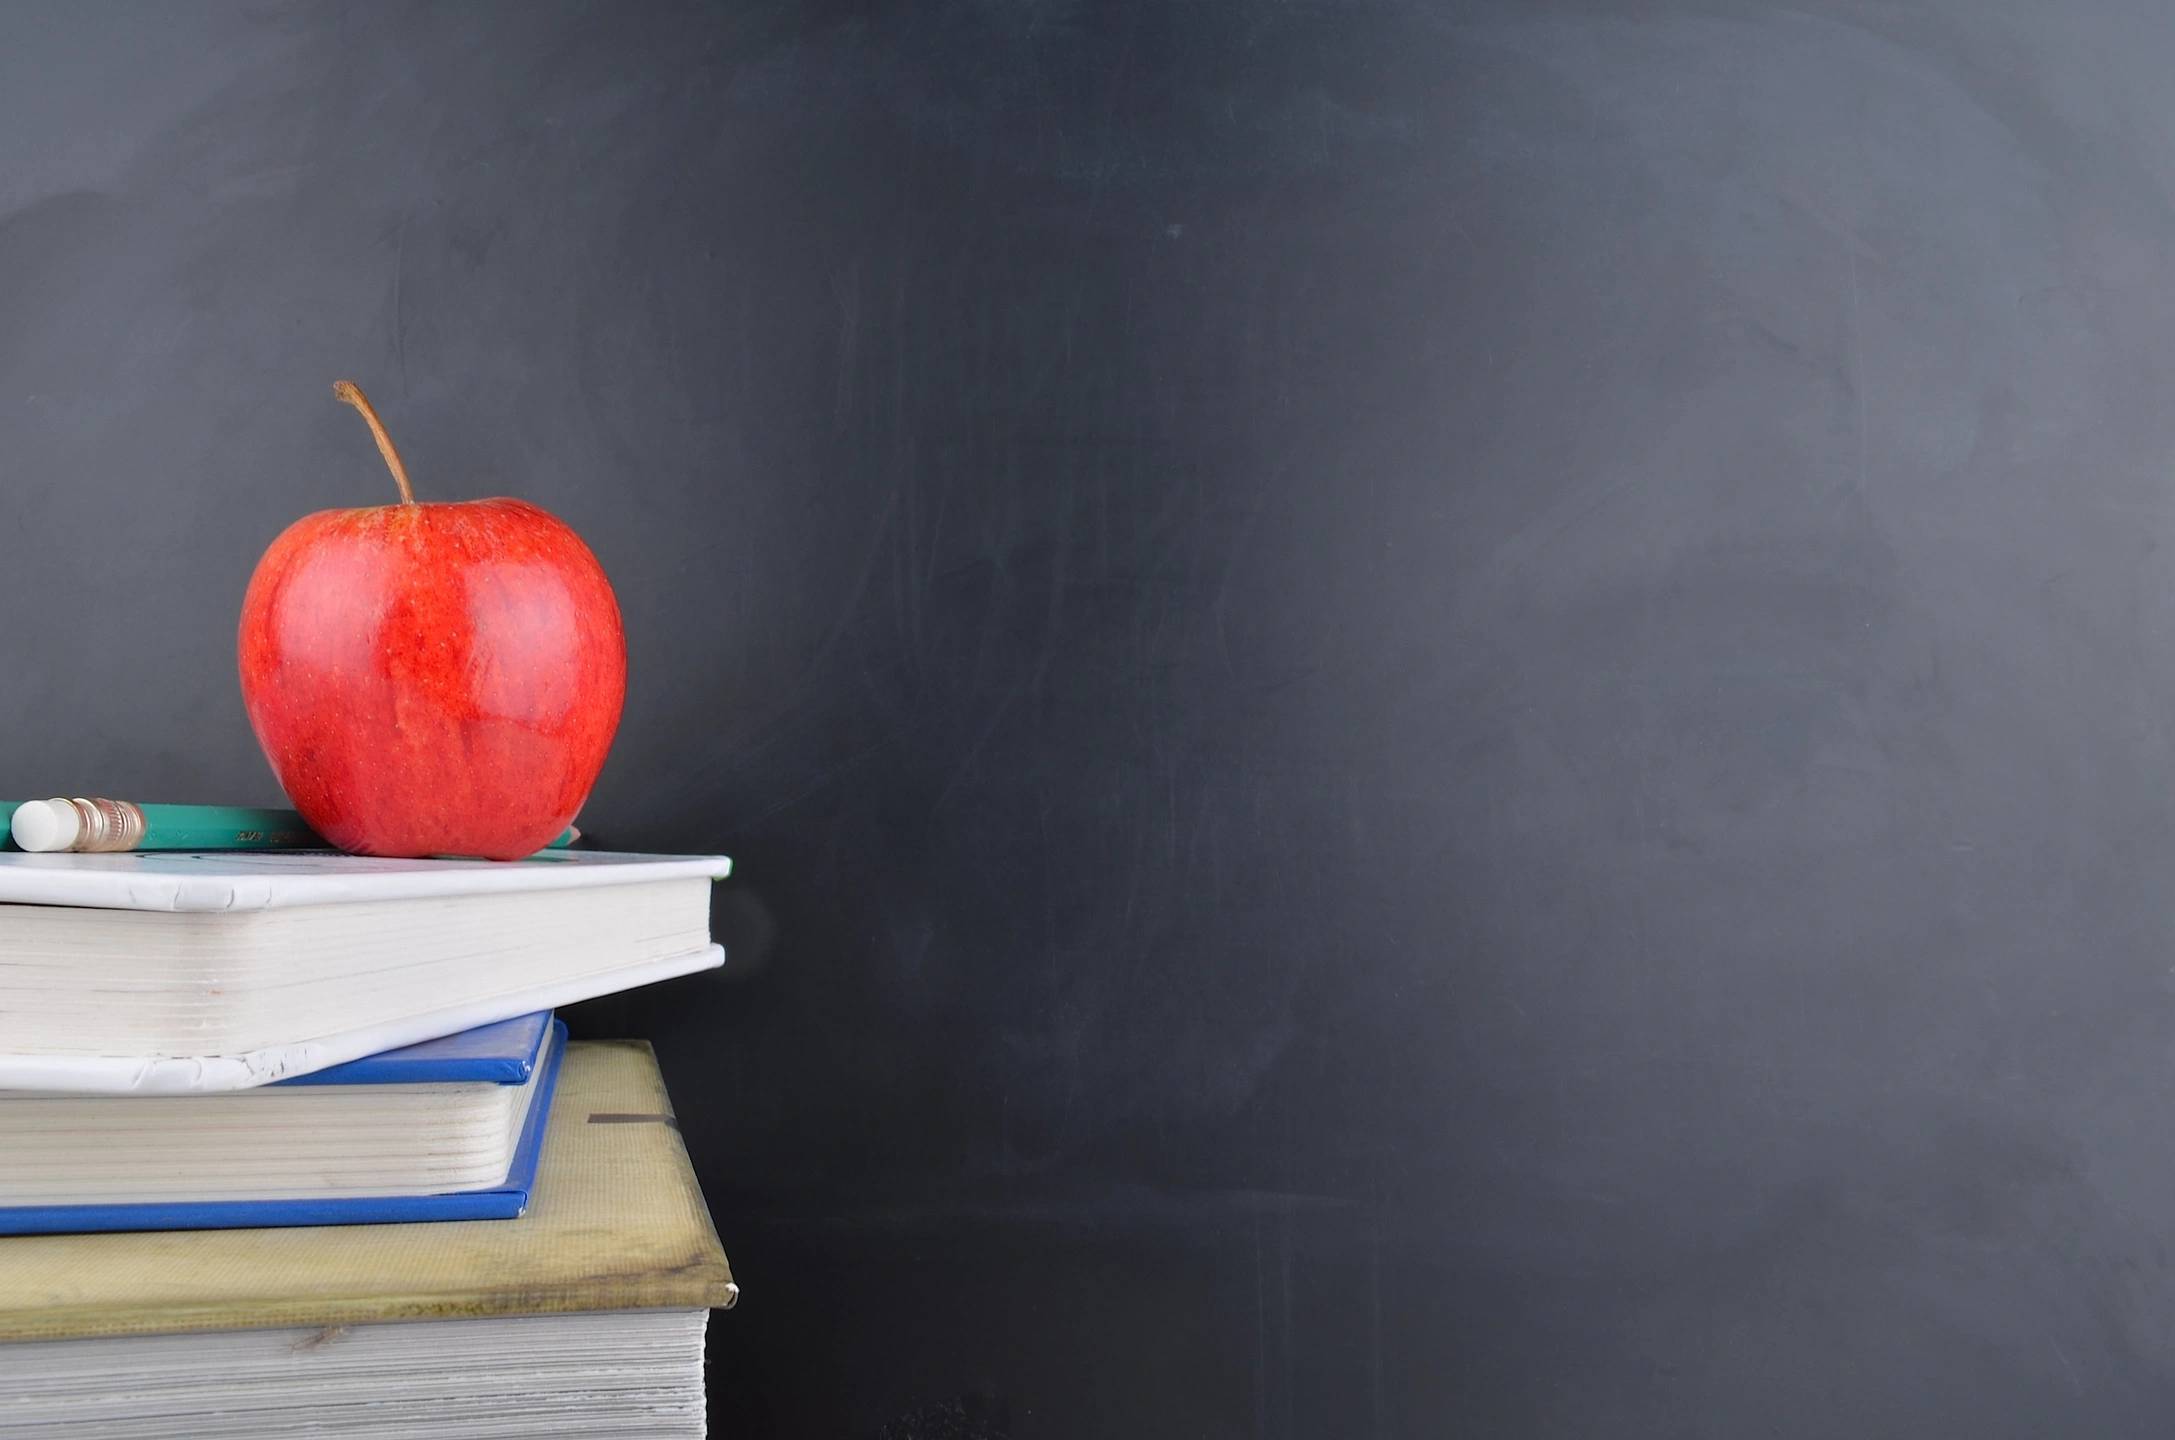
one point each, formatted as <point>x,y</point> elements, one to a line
<point>449,1129</point>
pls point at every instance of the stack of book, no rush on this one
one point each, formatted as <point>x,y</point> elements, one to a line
<point>291,1144</point>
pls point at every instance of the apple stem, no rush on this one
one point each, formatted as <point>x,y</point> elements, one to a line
<point>351,393</point>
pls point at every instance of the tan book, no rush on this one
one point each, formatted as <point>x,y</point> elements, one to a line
<point>120,1335</point>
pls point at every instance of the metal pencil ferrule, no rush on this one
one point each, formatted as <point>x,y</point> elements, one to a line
<point>107,825</point>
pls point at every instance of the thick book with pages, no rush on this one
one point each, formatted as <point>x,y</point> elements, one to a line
<point>176,972</point>
<point>583,1317</point>
<point>449,1129</point>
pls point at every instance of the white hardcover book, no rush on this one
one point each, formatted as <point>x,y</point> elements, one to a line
<point>177,972</point>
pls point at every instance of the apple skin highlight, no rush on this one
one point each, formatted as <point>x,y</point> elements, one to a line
<point>433,679</point>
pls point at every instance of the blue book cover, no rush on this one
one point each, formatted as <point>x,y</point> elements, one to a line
<point>506,1053</point>
<point>501,1054</point>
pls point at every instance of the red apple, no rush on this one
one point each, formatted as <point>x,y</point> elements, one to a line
<point>433,679</point>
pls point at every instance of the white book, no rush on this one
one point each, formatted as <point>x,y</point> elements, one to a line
<point>177,972</point>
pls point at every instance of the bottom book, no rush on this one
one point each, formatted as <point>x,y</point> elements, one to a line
<point>585,1316</point>
<point>618,1373</point>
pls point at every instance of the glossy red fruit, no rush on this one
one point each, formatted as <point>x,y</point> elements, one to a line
<point>433,679</point>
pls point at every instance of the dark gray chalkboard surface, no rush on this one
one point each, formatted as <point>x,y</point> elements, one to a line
<point>1439,719</point>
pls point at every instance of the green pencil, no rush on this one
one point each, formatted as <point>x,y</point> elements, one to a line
<point>97,824</point>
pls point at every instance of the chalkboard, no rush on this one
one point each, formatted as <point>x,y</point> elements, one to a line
<point>1438,719</point>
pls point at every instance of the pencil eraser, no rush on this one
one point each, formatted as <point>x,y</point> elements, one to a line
<point>44,826</point>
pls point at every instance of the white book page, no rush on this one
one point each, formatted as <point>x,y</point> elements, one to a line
<point>198,1074</point>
